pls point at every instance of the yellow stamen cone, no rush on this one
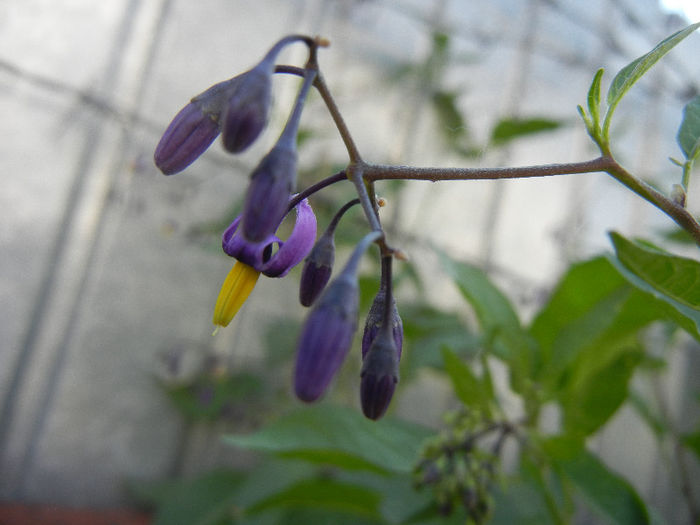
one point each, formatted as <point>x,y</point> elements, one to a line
<point>239,282</point>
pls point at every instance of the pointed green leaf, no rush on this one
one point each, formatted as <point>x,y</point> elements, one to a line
<point>606,492</point>
<point>468,387</point>
<point>339,436</point>
<point>512,128</point>
<point>633,71</point>
<point>689,132</point>
<point>674,276</point>
<point>594,99</point>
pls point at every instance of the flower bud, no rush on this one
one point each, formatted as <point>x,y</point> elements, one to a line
<point>380,373</point>
<point>317,269</point>
<point>326,338</point>
<point>269,191</point>
<point>246,110</point>
<point>189,134</point>
<point>374,321</point>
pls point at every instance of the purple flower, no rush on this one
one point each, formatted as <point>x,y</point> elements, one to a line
<point>261,255</point>
<point>326,338</point>
<point>380,374</point>
<point>317,269</point>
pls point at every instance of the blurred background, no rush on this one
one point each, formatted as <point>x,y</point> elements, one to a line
<point>109,271</point>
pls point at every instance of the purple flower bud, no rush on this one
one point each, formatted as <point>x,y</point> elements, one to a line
<point>374,323</point>
<point>189,134</point>
<point>269,191</point>
<point>326,337</point>
<point>380,373</point>
<point>317,269</point>
<point>246,110</point>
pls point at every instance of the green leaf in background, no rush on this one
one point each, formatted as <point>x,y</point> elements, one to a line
<point>471,390</point>
<point>339,436</point>
<point>325,494</point>
<point>450,120</point>
<point>206,500</point>
<point>513,128</point>
<point>606,492</point>
<point>633,71</point>
<point>692,441</point>
<point>689,132</point>
<point>590,399</point>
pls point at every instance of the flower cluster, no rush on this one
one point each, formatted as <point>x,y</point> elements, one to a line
<point>238,109</point>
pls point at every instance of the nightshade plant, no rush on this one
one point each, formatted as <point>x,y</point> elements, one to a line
<point>239,108</point>
<point>578,354</point>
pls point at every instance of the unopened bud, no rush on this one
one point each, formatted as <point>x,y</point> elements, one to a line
<point>317,269</point>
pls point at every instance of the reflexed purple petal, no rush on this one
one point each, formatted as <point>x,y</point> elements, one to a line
<point>268,195</point>
<point>189,134</point>
<point>252,254</point>
<point>292,251</point>
<point>326,338</point>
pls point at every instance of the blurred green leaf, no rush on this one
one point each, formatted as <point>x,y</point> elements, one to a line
<point>207,500</point>
<point>647,414</point>
<point>692,441</point>
<point>339,436</point>
<point>591,398</point>
<point>689,131</point>
<point>325,494</point>
<point>633,71</point>
<point>468,388</point>
<point>426,331</point>
<point>606,492</point>
<point>590,320</point>
<point>450,120</point>
<point>501,330</point>
<point>510,129</point>
<point>676,277</point>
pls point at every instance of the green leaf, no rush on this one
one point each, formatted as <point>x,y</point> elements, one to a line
<point>468,388</point>
<point>510,129</point>
<point>606,492</point>
<point>339,436</point>
<point>204,501</point>
<point>676,277</point>
<point>633,71</point>
<point>692,441</point>
<point>450,119</point>
<point>642,407</point>
<point>594,100</point>
<point>590,399</point>
<point>325,494</point>
<point>689,132</point>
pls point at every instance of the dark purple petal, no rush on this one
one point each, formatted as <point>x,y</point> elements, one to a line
<point>268,194</point>
<point>189,134</point>
<point>292,251</point>
<point>252,254</point>
<point>380,374</point>
<point>317,269</point>
<point>326,338</point>
<point>246,111</point>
